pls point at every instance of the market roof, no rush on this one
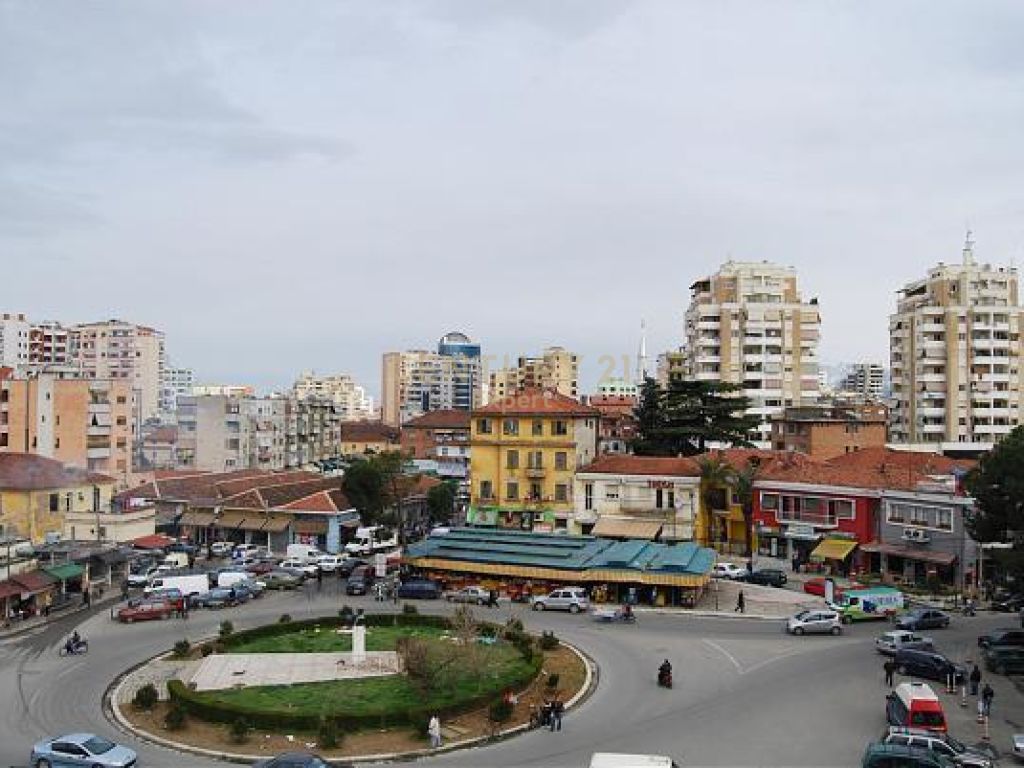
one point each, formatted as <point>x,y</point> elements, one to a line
<point>536,402</point>
<point>29,472</point>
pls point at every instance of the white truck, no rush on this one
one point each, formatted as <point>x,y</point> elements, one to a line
<point>188,584</point>
<point>307,553</point>
<point>370,539</point>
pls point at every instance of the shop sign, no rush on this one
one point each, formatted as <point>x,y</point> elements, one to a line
<point>801,532</point>
<point>663,484</point>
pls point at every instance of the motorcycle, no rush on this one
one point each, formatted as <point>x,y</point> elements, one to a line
<point>969,610</point>
<point>664,678</point>
<point>79,649</point>
<point>612,616</point>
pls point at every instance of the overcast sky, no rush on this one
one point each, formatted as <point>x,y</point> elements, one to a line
<point>290,185</point>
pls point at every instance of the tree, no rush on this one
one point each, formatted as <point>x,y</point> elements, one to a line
<point>441,501</point>
<point>650,420</point>
<point>997,485</point>
<point>364,487</point>
<point>742,482</point>
<point>715,475</point>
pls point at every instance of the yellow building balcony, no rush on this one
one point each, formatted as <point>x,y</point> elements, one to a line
<point>535,473</point>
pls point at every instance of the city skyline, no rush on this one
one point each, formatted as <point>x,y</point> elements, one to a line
<point>358,166</point>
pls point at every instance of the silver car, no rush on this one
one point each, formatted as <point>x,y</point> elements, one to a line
<point>941,744</point>
<point>889,642</point>
<point>84,749</point>
<point>572,599</point>
<point>815,621</point>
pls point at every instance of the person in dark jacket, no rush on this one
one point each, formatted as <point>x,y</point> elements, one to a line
<point>987,694</point>
<point>890,668</point>
<point>741,603</point>
<point>975,679</point>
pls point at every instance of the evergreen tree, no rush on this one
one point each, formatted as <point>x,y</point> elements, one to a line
<point>684,418</point>
<point>997,485</point>
<point>650,421</point>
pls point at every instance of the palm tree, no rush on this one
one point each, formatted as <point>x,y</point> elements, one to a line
<point>742,483</point>
<point>715,473</point>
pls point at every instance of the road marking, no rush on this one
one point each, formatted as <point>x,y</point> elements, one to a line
<point>729,656</point>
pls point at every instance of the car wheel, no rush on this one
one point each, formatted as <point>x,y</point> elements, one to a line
<point>480,601</point>
<point>945,623</point>
<point>574,608</point>
<point>538,606</point>
<point>798,631</point>
<point>836,630</point>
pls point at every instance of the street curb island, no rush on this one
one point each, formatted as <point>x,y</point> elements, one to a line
<point>112,706</point>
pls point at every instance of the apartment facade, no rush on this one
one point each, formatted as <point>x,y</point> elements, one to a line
<point>747,324</point>
<point>115,349</point>
<point>212,433</point>
<point>555,369</point>
<point>864,380</point>
<point>177,382</point>
<point>956,356</point>
<point>419,381</point>
<point>441,437</point>
<point>350,399</point>
<point>617,422</point>
<point>824,432</point>
<point>313,431</point>
<point>525,449</point>
<point>14,340</point>
<point>81,423</point>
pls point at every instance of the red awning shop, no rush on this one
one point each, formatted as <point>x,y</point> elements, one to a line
<point>35,591</point>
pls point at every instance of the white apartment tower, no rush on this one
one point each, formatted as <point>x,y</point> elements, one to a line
<point>956,355</point>
<point>14,335</point>
<point>747,324</point>
<point>114,349</point>
<point>350,399</point>
<point>865,380</point>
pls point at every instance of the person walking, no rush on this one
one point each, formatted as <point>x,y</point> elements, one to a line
<point>987,694</point>
<point>741,603</point>
<point>434,730</point>
<point>319,579</point>
<point>890,668</point>
<point>557,708</point>
<point>975,679</point>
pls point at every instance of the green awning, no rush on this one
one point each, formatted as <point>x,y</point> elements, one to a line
<point>65,571</point>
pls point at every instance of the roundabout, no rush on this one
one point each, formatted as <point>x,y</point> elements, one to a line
<point>745,693</point>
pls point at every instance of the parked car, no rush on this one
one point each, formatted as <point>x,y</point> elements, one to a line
<point>218,597</point>
<point>259,567</point>
<point>139,576</point>
<point>889,643</point>
<point>815,621</point>
<point>279,579</point>
<point>419,589</point>
<point>245,550</point>
<point>941,744</point>
<point>888,755</point>
<point>923,618</point>
<point>1004,659</point>
<point>308,570</point>
<point>1018,745</point>
<point>474,594</point>
<point>929,664</point>
<point>769,577</point>
<point>1010,604</point>
<point>182,546</point>
<point>84,749</point>
<point>349,564</point>
<point>915,705</point>
<point>329,563</point>
<point>1002,636</point>
<point>221,548</point>
<point>816,586</point>
<point>359,580</point>
<point>171,595</point>
<point>249,589</point>
<point>295,760</point>
<point>571,599</point>
<point>147,610</point>
<point>728,571</point>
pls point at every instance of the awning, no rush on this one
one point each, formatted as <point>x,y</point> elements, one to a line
<point>626,528</point>
<point>34,581</point>
<point>310,527</point>
<point>259,521</point>
<point>153,541</point>
<point>834,549</point>
<point>923,555</point>
<point>9,589</point>
<point>65,571</point>
<point>197,519</point>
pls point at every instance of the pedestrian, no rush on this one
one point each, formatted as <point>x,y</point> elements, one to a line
<point>556,715</point>
<point>184,608</point>
<point>975,680</point>
<point>319,579</point>
<point>492,599</point>
<point>434,729</point>
<point>890,668</point>
<point>86,597</point>
<point>741,603</point>
<point>750,565</point>
<point>987,694</point>
<point>124,589</point>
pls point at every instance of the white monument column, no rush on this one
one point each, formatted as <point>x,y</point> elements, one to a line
<point>359,644</point>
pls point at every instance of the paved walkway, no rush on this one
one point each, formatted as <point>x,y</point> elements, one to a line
<point>231,670</point>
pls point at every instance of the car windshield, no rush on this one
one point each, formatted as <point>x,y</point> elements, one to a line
<point>98,746</point>
<point>803,615</point>
<point>927,719</point>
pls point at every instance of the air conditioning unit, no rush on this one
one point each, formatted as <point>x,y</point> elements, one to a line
<point>915,534</point>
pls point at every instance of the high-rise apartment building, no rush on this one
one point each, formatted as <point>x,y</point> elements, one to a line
<point>349,399</point>
<point>956,355</point>
<point>418,381</point>
<point>747,324</point>
<point>51,345</point>
<point>866,380</point>
<point>555,369</point>
<point>177,382</point>
<point>114,349</point>
<point>82,423</point>
<point>14,333</point>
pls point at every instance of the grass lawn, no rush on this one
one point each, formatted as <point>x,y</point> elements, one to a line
<point>328,640</point>
<point>373,696</point>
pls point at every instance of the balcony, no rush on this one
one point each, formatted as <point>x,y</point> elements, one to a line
<point>98,453</point>
<point>535,473</point>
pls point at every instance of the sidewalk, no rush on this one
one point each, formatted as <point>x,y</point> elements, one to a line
<point>36,622</point>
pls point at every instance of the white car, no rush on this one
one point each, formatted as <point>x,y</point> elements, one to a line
<point>329,563</point>
<point>728,571</point>
<point>815,621</point>
<point>890,642</point>
<point>297,565</point>
<point>572,599</point>
<point>221,548</point>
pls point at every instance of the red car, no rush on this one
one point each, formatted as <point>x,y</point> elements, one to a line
<point>816,586</point>
<point>149,610</point>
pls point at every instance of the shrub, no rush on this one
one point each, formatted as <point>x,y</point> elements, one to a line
<point>226,629</point>
<point>181,648</point>
<point>409,609</point>
<point>500,711</point>
<point>146,697</point>
<point>239,730</point>
<point>327,735</point>
<point>524,644</point>
<point>548,641</point>
<point>206,649</point>
<point>284,618</point>
<point>346,613</point>
<point>553,679</point>
<point>176,719</point>
<point>514,626</point>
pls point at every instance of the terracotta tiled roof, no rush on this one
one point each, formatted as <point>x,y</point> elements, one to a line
<point>536,402</point>
<point>228,488</point>
<point>320,501</point>
<point>29,472</point>
<point>278,495</point>
<point>213,487</point>
<point>445,419</point>
<point>738,458</point>
<point>416,485</point>
<point>368,432</point>
<point>340,500</point>
<point>643,465</point>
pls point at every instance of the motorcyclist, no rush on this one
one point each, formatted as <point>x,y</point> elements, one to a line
<point>664,672</point>
<point>73,643</point>
<point>627,613</point>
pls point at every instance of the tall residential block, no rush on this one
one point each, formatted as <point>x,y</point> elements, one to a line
<point>349,398</point>
<point>555,369</point>
<point>14,334</point>
<point>114,349</point>
<point>747,324</point>
<point>419,381</point>
<point>81,423</point>
<point>866,380</point>
<point>956,355</point>
<point>177,382</point>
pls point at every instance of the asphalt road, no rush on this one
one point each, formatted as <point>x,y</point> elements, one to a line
<point>746,694</point>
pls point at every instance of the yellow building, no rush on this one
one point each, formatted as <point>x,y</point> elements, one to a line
<point>36,493</point>
<point>524,451</point>
<point>364,437</point>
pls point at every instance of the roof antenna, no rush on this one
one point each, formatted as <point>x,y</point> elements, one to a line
<point>641,358</point>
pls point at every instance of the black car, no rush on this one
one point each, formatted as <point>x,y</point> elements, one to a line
<point>1002,636</point>
<point>419,589</point>
<point>1004,659</point>
<point>1010,604</point>
<point>359,581</point>
<point>769,577</point>
<point>929,664</point>
<point>349,564</point>
<point>297,760</point>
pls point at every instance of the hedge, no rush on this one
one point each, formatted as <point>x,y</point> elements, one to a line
<point>196,705</point>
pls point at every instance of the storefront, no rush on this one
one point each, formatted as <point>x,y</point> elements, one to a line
<point>906,565</point>
<point>833,555</point>
<point>35,596</point>
<point>69,577</point>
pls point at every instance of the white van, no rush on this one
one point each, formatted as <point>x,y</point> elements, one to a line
<point>175,560</point>
<point>188,584</point>
<point>307,553</point>
<point>616,760</point>
<point>371,539</point>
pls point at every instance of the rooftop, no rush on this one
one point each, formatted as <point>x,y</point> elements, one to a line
<point>29,472</point>
<point>444,419</point>
<point>536,402</point>
<point>613,464</point>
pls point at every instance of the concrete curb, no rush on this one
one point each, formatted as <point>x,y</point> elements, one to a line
<point>684,612</point>
<point>112,696</point>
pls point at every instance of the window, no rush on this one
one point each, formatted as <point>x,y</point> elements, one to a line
<point>536,459</point>
<point>841,509</point>
<point>68,499</point>
<point>588,496</point>
<point>536,492</point>
<point>512,490</point>
<point>55,502</point>
<point>611,493</point>
<point>510,427</point>
<point>560,428</point>
<point>121,421</point>
<point>944,519</point>
<point>56,442</point>
<point>121,399</point>
<point>512,460</point>
<point>538,428</point>
<point>769,501</point>
<point>486,489</point>
<point>561,460</point>
<point>483,426</point>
